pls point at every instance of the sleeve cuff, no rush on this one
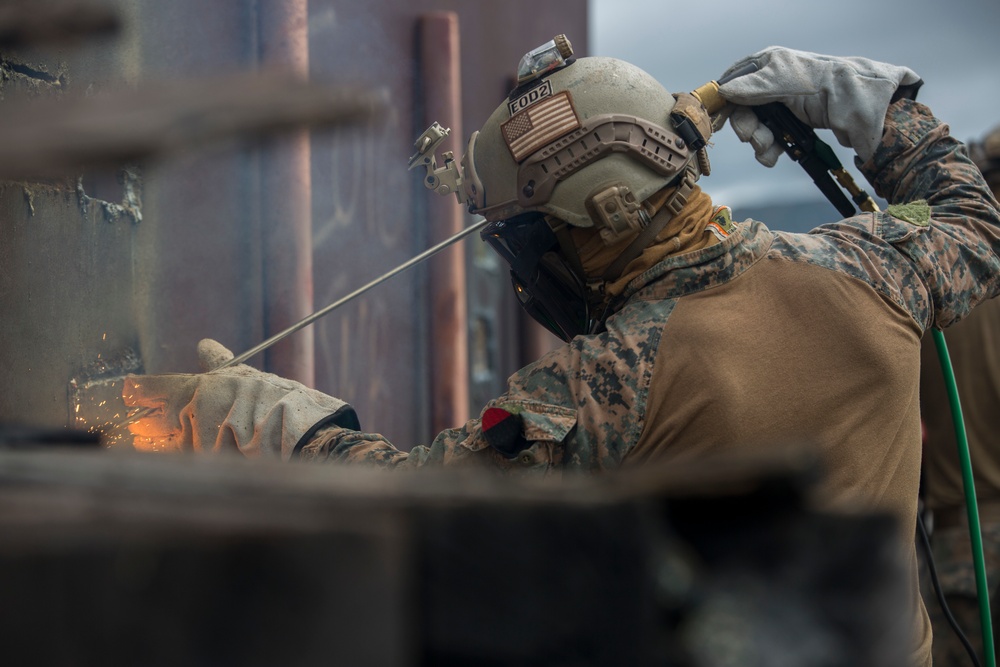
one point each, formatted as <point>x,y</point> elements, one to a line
<point>345,418</point>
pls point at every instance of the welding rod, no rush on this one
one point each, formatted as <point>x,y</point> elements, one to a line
<point>306,321</point>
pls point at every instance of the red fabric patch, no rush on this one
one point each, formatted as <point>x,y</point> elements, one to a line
<point>492,417</point>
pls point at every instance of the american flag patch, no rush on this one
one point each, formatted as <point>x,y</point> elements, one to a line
<point>539,125</point>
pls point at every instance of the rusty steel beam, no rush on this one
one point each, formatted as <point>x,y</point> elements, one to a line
<point>65,135</point>
<point>286,201</point>
<point>449,322</point>
<point>43,22</point>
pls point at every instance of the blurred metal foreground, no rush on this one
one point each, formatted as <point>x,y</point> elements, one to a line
<point>126,559</point>
<point>54,138</point>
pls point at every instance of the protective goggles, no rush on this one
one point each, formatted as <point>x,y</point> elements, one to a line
<point>545,286</point>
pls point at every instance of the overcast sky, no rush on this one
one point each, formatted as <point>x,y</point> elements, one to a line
<point>954,45</point>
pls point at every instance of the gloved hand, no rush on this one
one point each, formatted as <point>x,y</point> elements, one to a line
<point>236,408</point>
<point>847,95</point>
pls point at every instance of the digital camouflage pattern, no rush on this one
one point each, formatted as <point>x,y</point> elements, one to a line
<point>580,407</point>
<point>953,561</point>
<point>959,261</point>
<point>974,348</point>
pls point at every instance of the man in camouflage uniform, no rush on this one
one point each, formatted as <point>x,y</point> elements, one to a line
<point>686,334</point>
<point>974,346</point>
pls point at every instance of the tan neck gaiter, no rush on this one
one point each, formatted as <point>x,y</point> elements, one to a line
<point>685,232</point>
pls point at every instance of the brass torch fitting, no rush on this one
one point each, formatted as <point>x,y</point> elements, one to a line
<point>709,97</point>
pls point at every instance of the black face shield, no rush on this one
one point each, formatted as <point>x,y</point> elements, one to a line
<point>548,290</point>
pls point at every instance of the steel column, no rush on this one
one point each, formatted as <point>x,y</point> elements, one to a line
<point>449,338</point>
<point>286,201</point>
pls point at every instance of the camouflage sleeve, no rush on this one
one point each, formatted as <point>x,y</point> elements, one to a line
<point>579,407</point>
<point>956,256</point>
<point>534,445</point>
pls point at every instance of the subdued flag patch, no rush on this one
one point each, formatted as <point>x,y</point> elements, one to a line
<point>539,125</point>
<point>502,431</point>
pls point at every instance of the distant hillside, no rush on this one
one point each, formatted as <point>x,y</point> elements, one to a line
<point>790,217</point>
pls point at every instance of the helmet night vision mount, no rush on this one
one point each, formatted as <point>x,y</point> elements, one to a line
<point>448,179</point>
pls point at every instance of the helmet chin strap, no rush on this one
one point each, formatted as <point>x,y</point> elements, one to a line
<point>597,298</point>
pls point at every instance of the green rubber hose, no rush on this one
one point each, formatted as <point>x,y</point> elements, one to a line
<point>972,509</point>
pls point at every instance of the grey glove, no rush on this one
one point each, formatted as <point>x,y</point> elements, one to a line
<point>237,408</point>
<point>847,95</point>
<point>750,130</point>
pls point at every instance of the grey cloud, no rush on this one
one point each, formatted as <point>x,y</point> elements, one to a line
<point>954,46</point>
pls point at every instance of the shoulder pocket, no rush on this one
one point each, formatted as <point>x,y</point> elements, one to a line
<point>896,230</point>
<point>525,433</point>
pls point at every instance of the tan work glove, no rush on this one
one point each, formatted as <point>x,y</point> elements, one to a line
<point>847,95</point>
<point>231,409</point>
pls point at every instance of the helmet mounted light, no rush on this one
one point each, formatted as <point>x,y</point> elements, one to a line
<point>549,56</point>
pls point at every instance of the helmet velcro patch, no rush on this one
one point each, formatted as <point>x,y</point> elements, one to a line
<point>917,213</point>
<point>539,125</point>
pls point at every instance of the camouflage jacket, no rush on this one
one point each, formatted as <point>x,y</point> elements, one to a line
<point>585,405</point>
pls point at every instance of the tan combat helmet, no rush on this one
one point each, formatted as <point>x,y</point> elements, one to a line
<point>566,138</point>
<point>986,155</point>
<point>579,143</point>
